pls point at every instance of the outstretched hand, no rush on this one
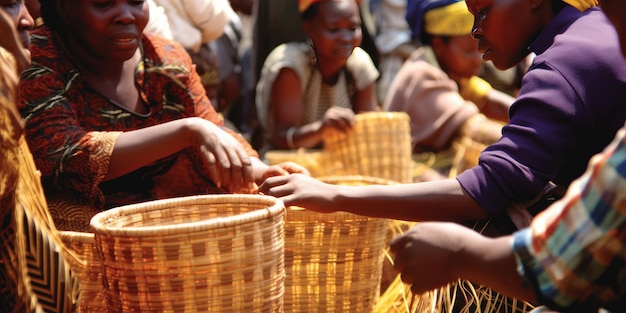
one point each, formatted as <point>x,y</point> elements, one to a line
<point>301,190</point>
<point>285,168</point>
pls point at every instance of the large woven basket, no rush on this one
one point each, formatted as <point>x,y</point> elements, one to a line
<point>213,253</point>
<point>379,145</point>
<point>333,262</point>
<point>88,268</point>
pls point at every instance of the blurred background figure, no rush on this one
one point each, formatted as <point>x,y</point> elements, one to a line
<point>308,88</point>
<point>438,85</point>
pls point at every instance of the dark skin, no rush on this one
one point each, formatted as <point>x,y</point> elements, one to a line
<point>16,24</point>
<point>243,6</point>
<point>105,38</point>
<point>335,31</point>
<point>459,58</point>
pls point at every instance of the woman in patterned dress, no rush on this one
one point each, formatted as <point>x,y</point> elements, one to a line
<point>115,116</point>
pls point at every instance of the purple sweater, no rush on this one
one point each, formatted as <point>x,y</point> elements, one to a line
<point>571,104</point>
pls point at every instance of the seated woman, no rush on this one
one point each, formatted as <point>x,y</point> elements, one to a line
<point>438,87</point>
<point>115,116</point>
<point>307,89</point>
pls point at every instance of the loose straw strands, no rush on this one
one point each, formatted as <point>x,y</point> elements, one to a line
<point>459,297</point>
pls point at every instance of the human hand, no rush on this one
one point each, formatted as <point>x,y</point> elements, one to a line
<point>338,118</point>
<point>228,164</point>
<point>285,168</point>
<point>427,255</point>
<point>301,190</point>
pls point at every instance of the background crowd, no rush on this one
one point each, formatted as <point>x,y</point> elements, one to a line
<point>128,101</point>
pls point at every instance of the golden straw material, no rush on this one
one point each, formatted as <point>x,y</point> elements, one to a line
<point>88,269</point>
<point>313,160</point>
<point>212,253</point>
<point>459,297</point>
<point>333,262</point>
<point>34,275</point>
<point>379,145</point>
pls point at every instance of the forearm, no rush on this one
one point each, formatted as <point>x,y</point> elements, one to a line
<point>443,200</point>
<point>490,262</point>
<point>138,148</point>
<point>497,105</point>
<point>306,136</point>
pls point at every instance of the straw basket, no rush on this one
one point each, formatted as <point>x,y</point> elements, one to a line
<point>213,253</point>
<point>378,146</point>
<point>333,262</point>
<point>313,160</point>
<point>88,269</point>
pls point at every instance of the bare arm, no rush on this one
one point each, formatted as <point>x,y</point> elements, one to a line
<point>432,254</point>
<point>443,200</point>
<point>497,105</point>
<point>365,100</point>
<point>288,113</point>
<point>228,163</point>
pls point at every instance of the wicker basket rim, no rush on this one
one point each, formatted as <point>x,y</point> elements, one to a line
<point>378,115</point>
<point>274,207</point>
<point>77,236</point>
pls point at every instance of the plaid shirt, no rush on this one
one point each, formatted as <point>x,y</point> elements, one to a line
<point>574,253</point>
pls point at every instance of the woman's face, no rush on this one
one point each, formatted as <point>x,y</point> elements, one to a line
<point>106,29</point>
<point>504,29</point>
<point>615,10</point>
<point>335,30</point>
<point>458,56</point>
<point>23,20</point>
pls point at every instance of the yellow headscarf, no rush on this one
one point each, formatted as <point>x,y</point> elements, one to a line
<point>582,5</point>
<point>305,4</point>
<point>449,20</point>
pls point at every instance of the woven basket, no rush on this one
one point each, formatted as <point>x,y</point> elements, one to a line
<point>378,146</point>
<point>88,269</point>
<point>213,253</point>
<point>333,262</point>
<point>313,160</point>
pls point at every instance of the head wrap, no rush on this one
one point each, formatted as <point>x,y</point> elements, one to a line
<point>583,5</point>
<point>303,5</point>
<point>438,17</point>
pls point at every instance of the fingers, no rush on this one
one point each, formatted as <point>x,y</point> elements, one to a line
<point>227,162</point>
<point>271,186</point>
<point>341,119</point>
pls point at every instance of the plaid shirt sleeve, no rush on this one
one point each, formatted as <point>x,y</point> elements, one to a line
<point>574,253</point>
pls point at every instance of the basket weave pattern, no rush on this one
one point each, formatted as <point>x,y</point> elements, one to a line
<point>379,145</point>
<point>333,262</point>
<point>218,253</point>
<point>88,269</point>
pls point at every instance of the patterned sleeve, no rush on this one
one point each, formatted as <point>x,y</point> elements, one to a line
<point>574,252</point>
<point>60,146</point>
